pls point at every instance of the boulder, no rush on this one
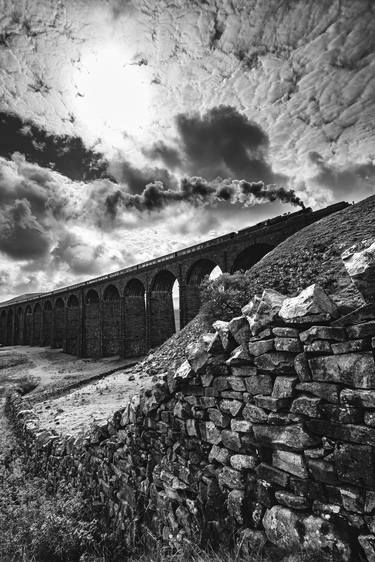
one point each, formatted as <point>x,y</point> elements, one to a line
<point>260,312</point>
<point>359,261</point>
<point>311,301</point>
<point>294,532</point>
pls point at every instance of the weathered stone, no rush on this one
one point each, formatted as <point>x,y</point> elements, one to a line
<point>283,387</point>
<point>206,379</point>
<point>288,499</point>
<point>220,383</point>
<point>312,300</point>
<point>367,543</point>
<point>352,499</point>
<point>370,501</point>
<point>359,261</point>
<point>306,406</point>
<point>276,361</point>
<point>322,333</point>
<point>350,346</point>
<point>206,402</point>
<point>359,398</point>
<point>284,332</point>
<point>235,506</point>
<point>261,311</point>
<point>231,440</point>
<point>215,346</point>
<point>197,352</point>
<point>290,462</point>
<point>218,418</point>
<point>244,371</point>
<point>242,426</point>
<point>227,340</point>
<point>231,395</point>
<point>291,436</point>
<point>217,366</point>
<point>318,347</point>
<point>192,428</point>
<point>259,384</point>
<point>232,407</point>
<point>292,345</point>
<point>326,391</point>
<point>361,330</point>
<point>237,383</point>
<point>250,542</point>
<point>295,532</point>
<point>240,329</point>
<point>231,478</point>
<point>270,403</point>
<point>316,453</point>
<point>369,418</point>
<point>348,432</point>
<point>259,347</point>
<point>219,454</point>
<point>239,357</point>
<point>240,462</point>
<point>212,434</point>
<point>302,368</point>
<point>254,414</point>
<point>322,471</point>
<point>354,369</point>
<point>272,474</point>
<point>283,418</point>
<point>184,371</point>
<point>355,464</point>
<point>343,414</point>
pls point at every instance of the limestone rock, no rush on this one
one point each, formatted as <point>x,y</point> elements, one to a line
<point>302,368</point>
<point>254,414</point>
<point>259,347</point>
<point>276,361</point>
<point>290,462</point>
<point>312,300</point>
<point>283,387</point>
<point>261,311</point>
<point>294,532</point>
<point>184,371</point>
<point>367,542</point>
<point>231,478</point>
<point>291,436</point>
<point>227,340</point>
<point>240,329</point>
<point>197,352</point>
<point>235,503</point>
<point>354,369</point>
<point>331,333</point>
<point>259,384</point>
<point>359,261</point>
<point>240,462</point>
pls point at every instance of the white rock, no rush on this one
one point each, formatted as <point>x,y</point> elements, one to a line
<point>359,261</point>
<point>261,311</point>
<point>312,300</point>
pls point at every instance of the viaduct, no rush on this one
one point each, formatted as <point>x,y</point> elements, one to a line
<point>130,311</point>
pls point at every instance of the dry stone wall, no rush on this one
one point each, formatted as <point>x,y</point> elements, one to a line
<point>265,436</point>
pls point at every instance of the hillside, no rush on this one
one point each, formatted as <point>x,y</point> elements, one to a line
<point>310,255</point>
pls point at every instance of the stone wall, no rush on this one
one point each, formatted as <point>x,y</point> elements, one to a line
<point>265,436</point>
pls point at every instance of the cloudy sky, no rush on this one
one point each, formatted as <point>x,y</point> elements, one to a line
<point>132,128</point>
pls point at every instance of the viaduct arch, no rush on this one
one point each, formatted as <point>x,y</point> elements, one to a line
<point>130,311</point>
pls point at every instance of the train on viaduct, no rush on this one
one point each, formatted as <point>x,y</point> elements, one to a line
<point>130,311</point>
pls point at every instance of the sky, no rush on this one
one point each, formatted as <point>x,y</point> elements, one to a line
<point>133,128</point>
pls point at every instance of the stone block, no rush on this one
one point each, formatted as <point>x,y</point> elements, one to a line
<point>352,499</point>
<point>231,394</point>
<point>254,414</point>
<point>283,418</point>
<point>322,471</point>
<point>353,369</point>
<point>220,383</point>
<point>341,413</point>
<point>240,357</point>
<point>306,406</point>
<point>227,340</point>
<point>242,426</point>
<point>326,391</point>
<point>210,433</point>
<point>292,463</point>
<point>237,383</point>
<point>284,332</point>
<point>259,384</point>
<point>260,312</point>
<point>330,333</point>
<point>259,347</point>
<point>218,418</point>
<point>355,464</point>
<point>235,505</point>
<point>240,329</point>
<point>244,371</point>
<point>206,379</point>
<point>283,386</point>
<point>272,474</point>
<point>241,462</point>
<point>342,432</point>
<point>231,440</point>
<point>292,436</point>
<point>197,352</point>
<point>232,407</point>
<point>292,345</point>
<point>192,428</point>
<point>302,368</point>
<point>318,347</point>
<point>185,370</point>
<point>276,361</point>
<point>351,346</point>
<point>359,398</point>
<point>367,543</point>
<point>219,454</point>
<point>292,501</point>
<point>230,478</point>
<point>270,403</point>
<point>361,330</point>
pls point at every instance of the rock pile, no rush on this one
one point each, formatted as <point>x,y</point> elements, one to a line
<point>265,435</point>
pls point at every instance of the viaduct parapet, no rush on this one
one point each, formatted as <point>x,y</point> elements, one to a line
<point>130,311</point>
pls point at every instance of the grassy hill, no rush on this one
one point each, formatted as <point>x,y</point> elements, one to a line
<point>312,255</point>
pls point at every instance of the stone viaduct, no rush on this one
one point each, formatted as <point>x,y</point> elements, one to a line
<point>130,311</point>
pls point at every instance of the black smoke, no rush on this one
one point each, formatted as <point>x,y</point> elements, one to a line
<point>200,192</point>
<point>222,142</point>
